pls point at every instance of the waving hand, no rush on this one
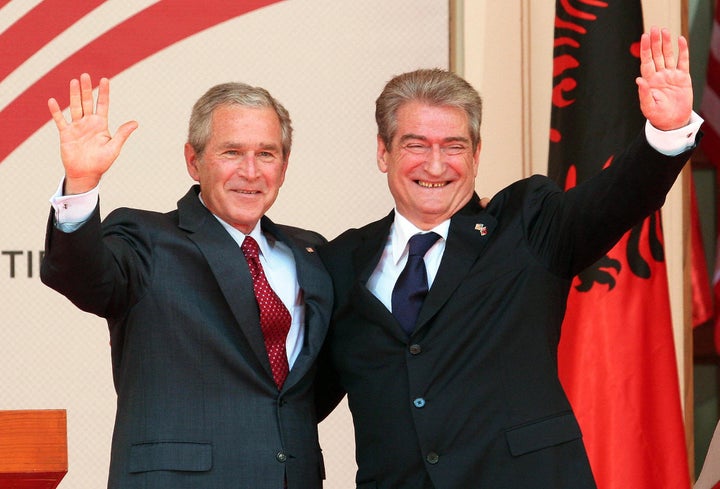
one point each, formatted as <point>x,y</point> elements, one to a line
<point>87,148</point>
<point>664,84</point>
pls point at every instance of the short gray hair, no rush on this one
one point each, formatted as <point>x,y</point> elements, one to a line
<point>234,93</point>
<point>431,86</point>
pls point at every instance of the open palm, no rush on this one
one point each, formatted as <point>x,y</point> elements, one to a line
<point>87,148</point>
<point>664,87</point>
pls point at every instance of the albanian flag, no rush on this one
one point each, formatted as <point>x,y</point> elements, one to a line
<point>617,358</point>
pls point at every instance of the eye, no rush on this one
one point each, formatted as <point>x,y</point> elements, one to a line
<point>454,149</point>
<point>417,148</point>
<point>266,156</point>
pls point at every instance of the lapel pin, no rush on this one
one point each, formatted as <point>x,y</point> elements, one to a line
<point>482,228</point>
<point>309,249</point>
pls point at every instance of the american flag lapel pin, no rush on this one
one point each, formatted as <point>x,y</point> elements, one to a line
<point>482,228</point>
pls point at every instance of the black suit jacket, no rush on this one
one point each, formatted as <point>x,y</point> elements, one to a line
<point>472,399</point>
<point>197,405</point>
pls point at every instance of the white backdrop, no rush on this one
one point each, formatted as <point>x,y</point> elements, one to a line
<point>326,60</point>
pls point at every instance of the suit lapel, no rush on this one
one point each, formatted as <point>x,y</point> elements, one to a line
<point>470,230</point>
<point>317,294</point>
<point>229,268</point>
<point>367,255</point>
<point>365,258</point>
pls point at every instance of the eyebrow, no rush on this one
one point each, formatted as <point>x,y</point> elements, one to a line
<point>233,145</point>
<point>451,139</point>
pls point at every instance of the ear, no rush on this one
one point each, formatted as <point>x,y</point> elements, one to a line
<point>191,161</point>
<point>382,155</point>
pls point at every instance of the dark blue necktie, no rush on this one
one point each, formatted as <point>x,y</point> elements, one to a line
<point>412,284</point>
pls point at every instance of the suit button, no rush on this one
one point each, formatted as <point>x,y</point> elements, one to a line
<point>281,457</point>
<point>432,458</point>
<point>415,349</point>
<point>419,402</point>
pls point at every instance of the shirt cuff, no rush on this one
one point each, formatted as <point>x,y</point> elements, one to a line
<point>672,143</point>
<point>72,211</point>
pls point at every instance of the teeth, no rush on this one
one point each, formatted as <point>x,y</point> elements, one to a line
<point>430,185</point>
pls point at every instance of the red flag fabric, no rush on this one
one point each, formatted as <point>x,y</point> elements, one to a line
<point>616,357</point>
<point>710,106</point>
<point>710,111</point>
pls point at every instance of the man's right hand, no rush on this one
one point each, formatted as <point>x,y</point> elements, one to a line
<point>86,146</point>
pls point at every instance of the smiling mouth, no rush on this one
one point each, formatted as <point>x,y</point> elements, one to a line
<point>247,192</point>
<point>430,184</point>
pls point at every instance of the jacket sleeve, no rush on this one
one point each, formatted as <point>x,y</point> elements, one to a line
<point>571,230</point>
<point>100,269</point>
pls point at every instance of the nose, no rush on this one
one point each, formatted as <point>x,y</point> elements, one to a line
<point>435,164</point>
<point>247,166</point>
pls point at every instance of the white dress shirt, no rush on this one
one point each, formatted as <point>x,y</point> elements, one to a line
<point>395,255</point>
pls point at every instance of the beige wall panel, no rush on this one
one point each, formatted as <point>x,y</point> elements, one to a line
<point>326,60</point>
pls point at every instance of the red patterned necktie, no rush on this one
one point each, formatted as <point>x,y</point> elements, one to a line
<point>274,316</point>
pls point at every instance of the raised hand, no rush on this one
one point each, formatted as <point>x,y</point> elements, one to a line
<point>87,148</point>
<point>664,84</point>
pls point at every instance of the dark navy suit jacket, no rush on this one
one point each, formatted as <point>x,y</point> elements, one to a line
<point>472,399</point>
<point>197,406</point>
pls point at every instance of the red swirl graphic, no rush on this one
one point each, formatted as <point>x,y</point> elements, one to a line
<point>142,35</point>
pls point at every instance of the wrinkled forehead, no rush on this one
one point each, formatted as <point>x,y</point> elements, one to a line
<point>431,121</point>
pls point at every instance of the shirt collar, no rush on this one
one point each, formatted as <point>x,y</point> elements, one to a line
<point>239,236</point>
<point>402,230</point>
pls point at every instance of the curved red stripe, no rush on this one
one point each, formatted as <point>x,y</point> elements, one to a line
<point>563,63</point>
<point>562,24</point>
<point>565,41</point>
<point>37,28</point>
<point>574,12</point>
<point>142,35</point>
<point>595,3</point>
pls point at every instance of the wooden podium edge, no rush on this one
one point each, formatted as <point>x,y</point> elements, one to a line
<point>33,448</point>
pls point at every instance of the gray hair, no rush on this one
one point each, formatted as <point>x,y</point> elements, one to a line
<point>431,86</point>
<point>234,94</point>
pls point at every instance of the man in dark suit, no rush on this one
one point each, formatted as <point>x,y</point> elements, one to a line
<point>215,387</point>
<point>464,392</point>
